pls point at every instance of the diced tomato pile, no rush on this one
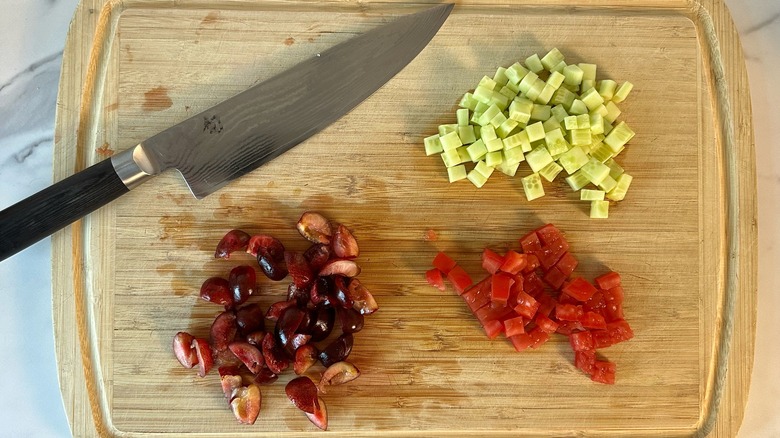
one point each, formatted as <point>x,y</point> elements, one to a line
<point>530,294</point>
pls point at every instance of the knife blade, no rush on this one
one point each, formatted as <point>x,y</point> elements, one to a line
<point>237,135</point>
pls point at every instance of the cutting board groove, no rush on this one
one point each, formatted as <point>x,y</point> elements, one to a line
<point>126,277</point>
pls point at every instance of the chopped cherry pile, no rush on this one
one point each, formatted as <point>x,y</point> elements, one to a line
<point>323,289</point>
<point>529,295</point>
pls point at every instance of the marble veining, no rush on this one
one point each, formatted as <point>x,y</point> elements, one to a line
<point>30,58</point>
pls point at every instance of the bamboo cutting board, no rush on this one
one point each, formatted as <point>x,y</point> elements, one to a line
<point>126,278</point>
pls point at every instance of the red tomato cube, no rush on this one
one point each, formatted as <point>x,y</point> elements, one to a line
<point>585,360</point>
<point>530,243</point>
<point>620,331</point>
<point>493,329</point>
<point>551,254</point>
<point>532,285</point>
<point>602,339</point>
<point>499,291</point>
<point>544,323</point>
<point>567,264</point>
<point>487,313</point>
<point>568,312</point>
<point>443,262</point>
<point>526,305</point>
<point>532,263</point>
<point>613,312</point>
<point>555,278</point>
<point>546,304</point>
<point>539,336</point>
<point>595,304</point>
<point>608,280</point>
<point>521,341</point>
<point>514,262</point>
<point>514,326</point>
<point>491,261</point>
<point>580,289</point>
<point>569,327</point>
<point>435,278</point>
<point>460,279</point>
<point>593,320</point>
<point>581,341</point>
<point>603,372</point>
<point>478,295</point>
<point>549,234</point>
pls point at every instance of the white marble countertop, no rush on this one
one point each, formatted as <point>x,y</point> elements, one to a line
<point>33,37</point>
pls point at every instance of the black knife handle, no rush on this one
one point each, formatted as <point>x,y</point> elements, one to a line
<point>57,206</point>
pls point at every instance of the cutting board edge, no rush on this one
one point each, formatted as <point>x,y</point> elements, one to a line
<point>94,17</point>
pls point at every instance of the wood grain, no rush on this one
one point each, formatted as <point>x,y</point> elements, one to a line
<point>126,277</point>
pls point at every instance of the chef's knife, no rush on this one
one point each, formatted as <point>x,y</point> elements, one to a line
<point>235,136</point>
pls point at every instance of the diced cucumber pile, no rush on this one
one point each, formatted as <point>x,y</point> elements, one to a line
<point>554,116</point>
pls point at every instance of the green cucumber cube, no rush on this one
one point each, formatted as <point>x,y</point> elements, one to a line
<point>619,192</point>
<point>513,156</point>
<point>619,136</point>
<point>487,132</point>
<point>573,75</point>
<point>564,97</point>
<point>540,112</point>
<point>450,141</point>
<point>613,112</point>
<point>532,186</point>
<point>488,83</point>
<point>493,159</point>
<point>550,171</point>
<point>451,157</point>
<point>583,121</point>
<point>559,113</point>
<point>559,68</point>
<point>446,129</point>
<point>579,137</point>
<point>477,150</point>
<point>508,169</point>
<point>592,99</point>
<point>535,90</point>
<point>551,125</point>
<point>614,168</point>
<point>500,76</point>
<point>534,63</point>
<point>578,107</point>
<point>599,209</point>
<point>555,79</point>
<point>546,95</point>
<point>519,139</point>
<point>573,159</point>
<point>494,144</point>
<point>588,71</point>
<point>596,123</point>
<point>484,169</point>
<point>556,144</point>
<point>515,73</point>
<point>622,92</point>
<point>496,121</point>
<point>476,178</point>
<point>595,170</point>
<point>433,145</point>
<point>466,134</point>
<point>528,82</point>
<point>535,131</point>
<point>538,158</point>
<point>552,58</point>
<point>608,184</point>
<point>520,110</point>
<point>506,128</point>
<point>577,180</point>
<point>456,173</point>
<point>607,89</point>
<point>489,113</point>
<point>601,152</point>
<point>462,115</point>
<point>592,195</point>
<point>468,102</point>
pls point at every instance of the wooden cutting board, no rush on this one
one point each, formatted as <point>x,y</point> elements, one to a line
<point>126,278</point>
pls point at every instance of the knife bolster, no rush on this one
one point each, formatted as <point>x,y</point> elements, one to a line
<point>133,166</point>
